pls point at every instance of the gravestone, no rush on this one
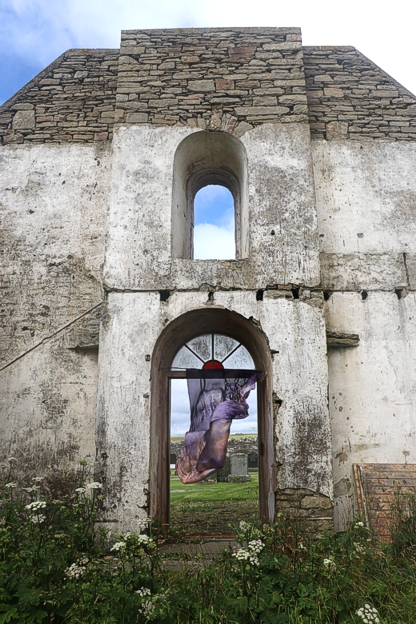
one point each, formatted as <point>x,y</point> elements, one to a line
<point>239,469</point>
<point>224,472</point>
<point>253,461</point>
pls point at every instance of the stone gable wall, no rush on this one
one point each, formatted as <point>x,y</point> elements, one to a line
<point>221,78</point>
<point>71,100</point>
<point>349,97</point>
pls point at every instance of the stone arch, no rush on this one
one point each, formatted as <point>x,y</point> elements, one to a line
<point>181,330</point>
<point>204,158</point>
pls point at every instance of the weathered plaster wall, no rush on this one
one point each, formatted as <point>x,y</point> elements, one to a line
<point>47,404</point>
<point>53,211</point>
<point>372,388</point>
<point>366,202</point>
<point>132,324</point>
<point>283,242</point>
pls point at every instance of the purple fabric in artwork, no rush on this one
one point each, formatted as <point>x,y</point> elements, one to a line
<point>215,403</point>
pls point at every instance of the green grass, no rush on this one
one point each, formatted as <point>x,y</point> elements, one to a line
<point>210,492</point>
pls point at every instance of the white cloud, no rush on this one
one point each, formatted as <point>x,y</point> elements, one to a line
<point>213,242</point>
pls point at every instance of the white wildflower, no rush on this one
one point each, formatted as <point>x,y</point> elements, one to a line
<point>147,608</point>
<point>12,459</point>
<point>244,526</point>
<point>80,490</point>
<point>368,614</point>
<point>330,565</point>
<point>143,591</point>
<point>302,547</point>
<point>36,505</point>
<point>144,539</point>
<point>76,570</point>
<point>118,546</point>
<point>142,524</point>
<point>38,519</point>
<point>34,488</point>
<point>359,548</point>
<point>94,485</point>
<point>256,546</point>
<point>247,556</point>
<point>37,479</point>
<point>11,485</point>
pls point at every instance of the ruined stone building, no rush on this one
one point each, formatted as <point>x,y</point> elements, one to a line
<point>101,156</point>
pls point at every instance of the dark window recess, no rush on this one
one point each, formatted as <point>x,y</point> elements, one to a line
<point>327,294</point>
<point>364,295</point>
<point>164,295</point>
<point>295,293</point>
<point>259,295</point>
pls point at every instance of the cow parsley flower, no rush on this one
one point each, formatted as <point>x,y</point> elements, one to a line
<point>247,556</point>
<point>142,524</point>
<point>143,591</point>
<point>256,546</point>
<point>11,485</point>
<point>37,479</point>
<point>94,485</point>
<point>368,614</point>
<point>38,519</point>
<point>76,569</point>
<point>36,505</point>
<point>118,546</point>
<point>80,490</point>
<point>330,565</point>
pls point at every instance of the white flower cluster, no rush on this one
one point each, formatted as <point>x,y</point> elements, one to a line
<point>77,569</point>
<point>368,614</point>
<point>80,490</point>
<point>11,485</point>
<point>36,505</point>
<point>142,524</point>
<point>330,565</point>
<point>38,519</point>
<point>244,526</point>
<point>94,485</point>
<point>360,525</point>
<point>145,540</point>
<point>250,555</point>
<point>118,546</point>
<point>246,555</point>
<point>359,547</point>
<point>256,546</point>
<point>147,608</point>
<point>143,591</point>
<point>37,479</point>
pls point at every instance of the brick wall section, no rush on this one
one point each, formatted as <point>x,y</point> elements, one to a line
<point>350,97</point>
<point>381,488</point>
<point>71,100</point>
<point>220,78</point>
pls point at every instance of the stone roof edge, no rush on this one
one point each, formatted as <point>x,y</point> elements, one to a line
<point>245,29</point>
<point>42,74</point>
<point>374,65</point>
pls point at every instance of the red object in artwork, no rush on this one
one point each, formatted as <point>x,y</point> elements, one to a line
<point>212,365</point>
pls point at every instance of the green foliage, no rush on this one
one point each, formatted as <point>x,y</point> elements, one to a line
<point>56,567</point>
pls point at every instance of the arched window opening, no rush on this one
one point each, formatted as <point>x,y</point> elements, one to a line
<point>210,168</point>
<point>214,223</point>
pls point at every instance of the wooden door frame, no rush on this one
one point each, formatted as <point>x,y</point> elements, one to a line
<point>175,335</point>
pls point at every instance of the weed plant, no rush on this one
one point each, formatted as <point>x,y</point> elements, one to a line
<point>57,567</point>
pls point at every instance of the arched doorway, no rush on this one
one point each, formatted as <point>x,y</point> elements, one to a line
<point>178,333</point>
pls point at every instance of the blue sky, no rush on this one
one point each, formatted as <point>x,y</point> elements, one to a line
<point>214,224</point>
<point>34,32</point>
